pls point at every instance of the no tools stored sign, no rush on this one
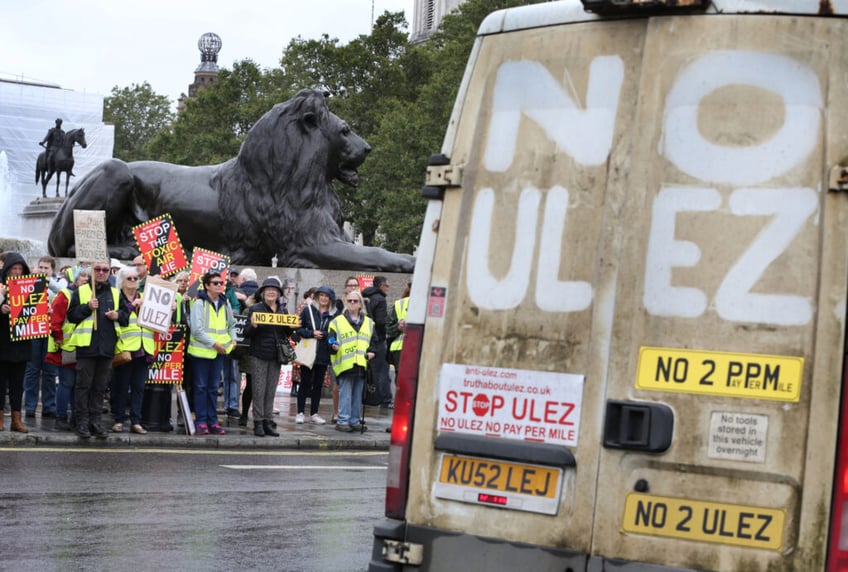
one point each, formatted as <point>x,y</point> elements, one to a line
<point>512,403</point>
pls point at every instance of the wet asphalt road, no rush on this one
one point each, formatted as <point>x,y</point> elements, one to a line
<point>137,510</point>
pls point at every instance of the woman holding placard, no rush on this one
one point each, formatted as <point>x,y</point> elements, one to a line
<point>129,377</point>
<point>267,352</point>
<point>13,355</point>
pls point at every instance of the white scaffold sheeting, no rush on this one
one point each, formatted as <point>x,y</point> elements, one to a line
<point>27,112</point>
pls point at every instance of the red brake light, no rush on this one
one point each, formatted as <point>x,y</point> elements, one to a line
<point>837,557</point>
<point>397,484</point>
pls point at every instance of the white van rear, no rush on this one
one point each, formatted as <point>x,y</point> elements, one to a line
<point>626,336</point>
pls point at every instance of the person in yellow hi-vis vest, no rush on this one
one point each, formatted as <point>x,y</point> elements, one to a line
<point>352,345</point>
<point>213,335</point>
<point>61,331</point>
<point>129,378</point>
<point>95,347</point>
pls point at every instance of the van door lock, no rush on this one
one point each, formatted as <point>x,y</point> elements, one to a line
<point>638,426</point>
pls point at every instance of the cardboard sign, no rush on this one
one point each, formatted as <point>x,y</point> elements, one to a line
<point>284,382</point>
<point>155,311</point>
<point>30,309</point>
<point>167,365</point>
<point>202,261</point>
<point>271,319</point>
<point>160,246</point>
<point>90,236</point>
<point>540,406</point>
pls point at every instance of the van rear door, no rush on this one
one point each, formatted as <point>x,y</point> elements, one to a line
<point>644,268</point>
<point>730,298</point>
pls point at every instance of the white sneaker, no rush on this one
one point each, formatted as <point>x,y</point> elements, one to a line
<point>299,418</point>
<point>317,419</point>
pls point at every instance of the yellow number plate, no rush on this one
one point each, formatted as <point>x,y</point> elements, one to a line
<point>752,376</point>
<point>499,476</point>
<point>269,319</point>
<point>703,521</point>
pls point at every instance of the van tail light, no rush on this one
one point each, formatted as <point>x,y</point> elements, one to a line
<point>837,556</point>
<point>397,482</point>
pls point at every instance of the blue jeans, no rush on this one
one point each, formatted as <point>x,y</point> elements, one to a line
<point>43,374</point>
<point>206,374</point>
<point>231,384</point>
<point>351,384</point>
<point>128,381</point>
<point>65,392</point>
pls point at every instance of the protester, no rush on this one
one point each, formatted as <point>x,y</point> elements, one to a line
<point>13,355</point>
<point>141,269</point>
<point>129,378</point>
<point>351,284</point>
<point>181,279</point>
<point>95,347</point>
<point>213,334</point>
<point>314,323</point>
<point>352,344</point>
<point>266,355</point>
<point>396,327</point>
<point>60,335</point>
<point>308,298</point>
<point>231,373</point>
<point>247,286</point>
<point>378,310</point>
<point>40,376</point>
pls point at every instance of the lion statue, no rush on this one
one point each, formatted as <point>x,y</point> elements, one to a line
<point>275,198</point>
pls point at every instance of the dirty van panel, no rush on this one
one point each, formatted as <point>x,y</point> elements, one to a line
<point>518,255</point>
<point>731,296</point>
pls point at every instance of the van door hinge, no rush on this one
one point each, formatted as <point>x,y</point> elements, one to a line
<point>444,176</point>
<point>838,180</point>
<point>403,552</point>
<point>441,175</point>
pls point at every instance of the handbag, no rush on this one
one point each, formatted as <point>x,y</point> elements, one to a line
<point>305,349</point>
<point>69,358</point>
<point>285,353</point>
<point>121,358</point>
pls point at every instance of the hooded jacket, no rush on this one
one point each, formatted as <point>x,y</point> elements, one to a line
<point>377,311</point>
<point>12,352</point>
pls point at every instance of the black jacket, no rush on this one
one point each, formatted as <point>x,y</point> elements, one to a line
<point>264,338</point>
<point>12,352</point>
<point>104,338</point>
<point>377,311</point>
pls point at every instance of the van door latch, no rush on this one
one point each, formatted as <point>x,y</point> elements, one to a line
<point>838,179</point>
<point>403,552</point>
<point>638,426</point>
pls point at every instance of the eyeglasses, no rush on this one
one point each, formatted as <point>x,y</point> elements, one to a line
<point>354,301</point>
<point>101,270</point>
<point>132,278</point>
<point>216,282</point>
<point>351,285</point>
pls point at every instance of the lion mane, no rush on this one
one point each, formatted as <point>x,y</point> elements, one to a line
<point>275,198</point>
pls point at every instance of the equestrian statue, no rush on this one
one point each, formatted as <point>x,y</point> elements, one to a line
<point>58,156</point>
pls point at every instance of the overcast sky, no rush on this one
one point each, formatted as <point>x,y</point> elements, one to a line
<point>93,45</point>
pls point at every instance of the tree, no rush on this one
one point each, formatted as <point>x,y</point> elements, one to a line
<point>138,114</point>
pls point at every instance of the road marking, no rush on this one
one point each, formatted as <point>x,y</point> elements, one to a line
<point>307,467</point>
<point>287,453</point>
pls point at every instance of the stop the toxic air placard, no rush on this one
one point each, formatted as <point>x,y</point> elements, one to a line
<point>537,406</point>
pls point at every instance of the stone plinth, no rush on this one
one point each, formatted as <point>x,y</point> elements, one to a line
<point>38,215</point>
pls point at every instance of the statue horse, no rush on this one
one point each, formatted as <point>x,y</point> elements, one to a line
<point>63,162</point>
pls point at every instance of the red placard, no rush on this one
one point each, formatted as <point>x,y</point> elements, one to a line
<point>160,246</point>
<point>167,365</point>
<point>202,261</point>
<point>365,281</point>
<point>30,309</point>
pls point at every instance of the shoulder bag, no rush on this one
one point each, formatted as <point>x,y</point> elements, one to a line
<point>304,351</point>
